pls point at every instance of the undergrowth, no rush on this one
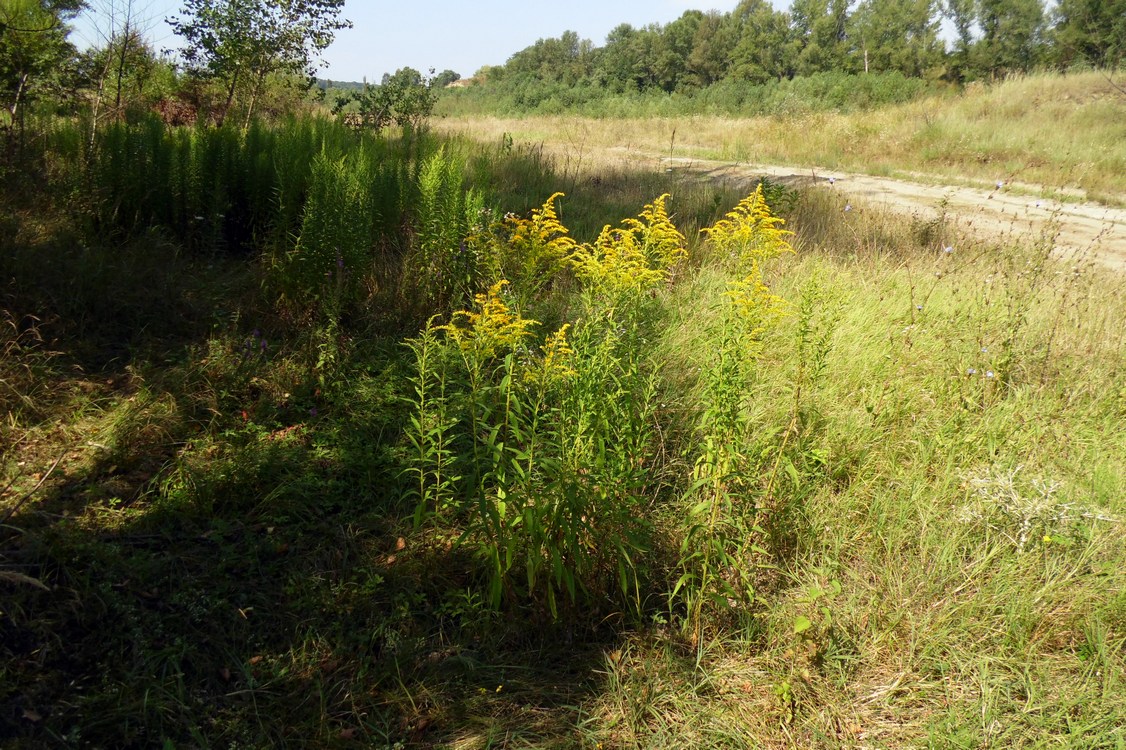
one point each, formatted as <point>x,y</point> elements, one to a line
<point>384,450</point>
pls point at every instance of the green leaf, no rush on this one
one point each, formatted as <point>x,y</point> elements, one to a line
<point>802,624</point>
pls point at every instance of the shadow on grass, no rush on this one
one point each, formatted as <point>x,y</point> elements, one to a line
<point>244,578</point>
<point>263,592</point>
<point>223,556</point>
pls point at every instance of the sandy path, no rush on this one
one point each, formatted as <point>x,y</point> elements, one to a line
<point>1082,227</point>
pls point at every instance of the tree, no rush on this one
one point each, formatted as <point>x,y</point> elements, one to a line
<point>625,63</point>
<point>761,50</point>
<point>445,78</point>
<point>1090,31</point>
<point>820,28</point>
<point>897,35</point>
<point>405,98</point>
<point>33,48</point>
<point>673,46</point>
<point>123,65</point>
<point>712,45</point>
<point>1012,35</point>
<point>244,41</point>
<point>962,14</point>
<point>566,59</point>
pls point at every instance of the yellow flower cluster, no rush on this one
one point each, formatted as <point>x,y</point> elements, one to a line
<point>756,307</point>
<point>541,243</point>
<point>557,353</point>
<point>638,255</point>
<point>491,329</point>
<point>751,231</point>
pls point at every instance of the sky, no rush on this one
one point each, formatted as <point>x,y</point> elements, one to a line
<point>458,35</point>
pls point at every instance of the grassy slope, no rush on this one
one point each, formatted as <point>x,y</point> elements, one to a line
<point>1059,132</point>
<point>227,568</point>
<point>956,625</point>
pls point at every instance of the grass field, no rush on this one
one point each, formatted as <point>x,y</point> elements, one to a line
<point>871,493</point>
<point>1064,134</point>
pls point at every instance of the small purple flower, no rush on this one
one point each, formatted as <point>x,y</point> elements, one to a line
<point>948,249</point>
<point>989,374</point>
<point>313,412</point>
<point>985,350</point>
<point>832,180</point>
<point>919,308</point>
<point>1000,184</point>
<point>971,371</point>
<point>264,344</point>
<point>340,261</point>
<point>256,333</point>
<point>848,207</point>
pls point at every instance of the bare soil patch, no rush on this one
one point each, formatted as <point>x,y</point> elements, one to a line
<point>1078,229</point>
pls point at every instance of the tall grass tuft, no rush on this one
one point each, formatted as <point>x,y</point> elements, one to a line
<point>442,271</point>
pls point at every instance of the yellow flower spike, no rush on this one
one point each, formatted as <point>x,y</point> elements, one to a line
<point>492,328</point>
<point>752,234</point>
<point>638,255</point>
<point>542,242</point>
<point>751,231</point>
<point>556,356</point>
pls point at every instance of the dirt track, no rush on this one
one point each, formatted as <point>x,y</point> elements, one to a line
<point>1082,227</point>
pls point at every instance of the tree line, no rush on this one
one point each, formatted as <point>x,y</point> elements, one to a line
<point>757,44</point>
<point>246,55</point>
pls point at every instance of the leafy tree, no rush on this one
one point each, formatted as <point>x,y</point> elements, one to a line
<point>897,35</point>
<point>763,43</point>
<point>1090,31</point>
<point>1012,35</point>
<point>33,48</point>
<point>672,48</point>
<point>628,62</point>
<point>445,78</point>
<point>715,39</point>
<point>121,67</point>
<point>404,98</point>
<point>962,14</point>
<point>567,59</point>
<point>820,30</point>
<point>244,41</point>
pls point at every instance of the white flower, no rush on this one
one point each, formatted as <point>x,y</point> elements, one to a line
<point>989,373</point>
<point>971,371</point>
<point>848,207</point>
<point>948,249</point>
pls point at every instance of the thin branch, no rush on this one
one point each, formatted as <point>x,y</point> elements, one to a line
<point>1114,85</point>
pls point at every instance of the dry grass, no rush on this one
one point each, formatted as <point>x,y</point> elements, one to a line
<point>975,528</point>
<point>1063,133</point>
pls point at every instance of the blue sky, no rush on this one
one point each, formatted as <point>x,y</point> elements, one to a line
<point>455,34</point>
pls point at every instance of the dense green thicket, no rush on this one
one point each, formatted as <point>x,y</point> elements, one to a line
<point>815,93</point>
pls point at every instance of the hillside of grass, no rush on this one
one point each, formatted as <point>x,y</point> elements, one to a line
<point>325,439</point>
<point>1060,132</point>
